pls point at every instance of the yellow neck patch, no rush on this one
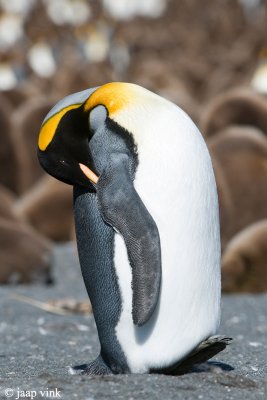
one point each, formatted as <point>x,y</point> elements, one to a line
<point>49,127</point>
<point>114,96</point>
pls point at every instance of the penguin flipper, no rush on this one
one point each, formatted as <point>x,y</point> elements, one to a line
<point>122,208</point>
<point>205,350</point>
<point>96,367</point>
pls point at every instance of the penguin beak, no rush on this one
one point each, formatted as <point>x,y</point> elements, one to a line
<point>89,173</point>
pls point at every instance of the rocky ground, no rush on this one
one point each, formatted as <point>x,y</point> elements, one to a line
<point>37,348</point>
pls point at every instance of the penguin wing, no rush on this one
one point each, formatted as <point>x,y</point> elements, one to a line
<point>122,208</point>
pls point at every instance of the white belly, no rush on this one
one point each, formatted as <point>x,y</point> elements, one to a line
<point>176,183</point>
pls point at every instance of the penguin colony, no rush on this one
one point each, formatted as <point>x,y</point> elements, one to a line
<point>147,222</point>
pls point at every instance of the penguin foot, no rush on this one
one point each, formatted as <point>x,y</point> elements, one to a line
<point>96,367</point>
<point>206,350</point>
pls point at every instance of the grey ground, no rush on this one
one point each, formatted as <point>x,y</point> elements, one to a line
<point>36,349</point>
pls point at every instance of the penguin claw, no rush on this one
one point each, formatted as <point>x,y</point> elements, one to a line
<point>96,367</point>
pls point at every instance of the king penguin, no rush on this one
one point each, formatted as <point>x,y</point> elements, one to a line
<point>147,224</point>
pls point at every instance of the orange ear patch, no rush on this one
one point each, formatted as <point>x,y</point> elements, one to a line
<point>114,96</point>
<point>48,129</point>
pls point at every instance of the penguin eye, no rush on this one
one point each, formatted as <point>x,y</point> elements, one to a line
<point>97,117</point>
<point>63,162</point>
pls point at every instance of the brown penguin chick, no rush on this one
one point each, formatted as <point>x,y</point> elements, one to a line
<point>75,77</point>
<point>225,202</point>
<point>27,120</point>
<point>47,206</point>
<point>239,157</point>
<point>244,262</point>
<point>5,102</point>
<point>241,106</point>
<point>25,256</point>
<point>21,93</point>
<point>9,151</point>
<point>7,201</point>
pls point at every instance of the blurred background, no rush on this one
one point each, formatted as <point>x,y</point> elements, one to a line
<point>209,57</point>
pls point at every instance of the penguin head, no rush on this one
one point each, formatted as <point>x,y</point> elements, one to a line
<point>63,140</point>
<point>63,146</point>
